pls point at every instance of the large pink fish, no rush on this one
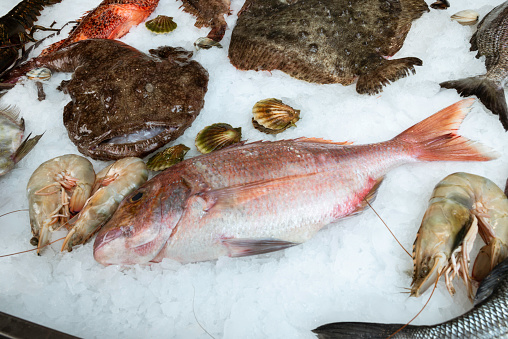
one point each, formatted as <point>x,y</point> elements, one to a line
<point>266,196</point>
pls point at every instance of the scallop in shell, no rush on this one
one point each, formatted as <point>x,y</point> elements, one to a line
<point>217,136</point>
<point>467,17</point>
<point>167,158</point>
<point>272,116</point>
<point>161,24</point>
<point>41,73</point>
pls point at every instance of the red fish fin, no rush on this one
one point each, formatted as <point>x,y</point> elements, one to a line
<point>246,247</point>
<point>370,197</point>
<point>435,138</point>
<point>240,194</point>
<point>323,141</point>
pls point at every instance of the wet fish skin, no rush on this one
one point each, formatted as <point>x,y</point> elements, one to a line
<point>266,196</point>
<point>487,319</point>
<point>489,40</point>
<point>209,13</point>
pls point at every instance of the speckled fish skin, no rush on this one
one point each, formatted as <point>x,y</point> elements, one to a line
<point>327,41</point>
<point>490,40</point>
<point>112,19</point>
<point>487,320</point>
<point>209,13</point>
<point>266,196</point>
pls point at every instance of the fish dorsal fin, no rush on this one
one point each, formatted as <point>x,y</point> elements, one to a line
<point>370,197</point>
<point>246,247</point>
<point>491,282</point>
<point>323,141</point>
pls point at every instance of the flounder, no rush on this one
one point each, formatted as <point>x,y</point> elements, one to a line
<point>209,13</point>
<point>327,41</point>
<point>124,102</point>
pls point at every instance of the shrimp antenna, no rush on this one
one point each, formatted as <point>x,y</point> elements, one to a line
<point>193,297</point>
<point>409,322</point>
<point>393,235</point>
<point>2,215</point>
<point>33,249</point>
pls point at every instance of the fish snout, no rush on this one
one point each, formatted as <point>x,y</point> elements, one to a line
<point>109,246</point>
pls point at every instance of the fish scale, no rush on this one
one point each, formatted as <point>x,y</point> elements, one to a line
<point>266,196</point>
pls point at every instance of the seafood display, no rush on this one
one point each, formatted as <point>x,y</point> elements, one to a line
<point>487,319</point>
<point>462,205</point>
<point>272,116</point>
<point>217,136</point>
<point>57,188</point>
<point>327,41</point>
<point>14,26</point>
<point>235,202</point>
<point>112,19</point>
<point>12,146</point>
<point>209,13</point>
<point>109,119</point>
<point>112,184</point>
<point>489,40</point>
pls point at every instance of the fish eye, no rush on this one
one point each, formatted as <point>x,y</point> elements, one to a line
<point>136,197</point>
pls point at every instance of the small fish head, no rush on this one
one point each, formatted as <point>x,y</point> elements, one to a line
<point>141,225</point>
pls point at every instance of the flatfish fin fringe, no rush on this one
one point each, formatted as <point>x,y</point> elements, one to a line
<point>490,93</point>
<point>246,247</point>
<point>389,71</point>
<point>435,138</point>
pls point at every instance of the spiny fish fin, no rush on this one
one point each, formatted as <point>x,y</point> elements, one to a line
<point>241,194</point>
<point>490,93</point>
<point>389,71</point>
<point>491,282</point>
<point>12,113</point>
<point>246,247</point>
<point>322,141</point>
<point>435,138</point>
<point>353,330</point>
<point>25,147</point>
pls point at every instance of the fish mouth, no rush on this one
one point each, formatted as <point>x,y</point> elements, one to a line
<point>136,141</point>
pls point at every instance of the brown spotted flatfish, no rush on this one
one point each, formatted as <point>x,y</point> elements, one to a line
<point>327,41</point>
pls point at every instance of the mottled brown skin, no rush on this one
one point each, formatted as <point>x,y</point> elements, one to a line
<point>326,41</point>
<point>118,90</point>
<point>209,13</point>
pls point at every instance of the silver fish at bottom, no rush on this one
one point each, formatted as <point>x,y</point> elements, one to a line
<point>266,196</point>
<point>488,318</point>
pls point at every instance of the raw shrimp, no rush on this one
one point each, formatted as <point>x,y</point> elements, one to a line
<point>112,184</point>
<point>58,188</point>
<point>461,205</point>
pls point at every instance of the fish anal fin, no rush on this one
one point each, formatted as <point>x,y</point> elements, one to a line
<point>370,197</point>
<point>246,247</point>
<point>388,71</point>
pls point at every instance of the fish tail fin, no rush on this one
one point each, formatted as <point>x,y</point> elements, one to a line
<point>389,71</point>
<point>353,330</point>
<point>435,138</point>
<point>25,147</point>
<point>490,93</point>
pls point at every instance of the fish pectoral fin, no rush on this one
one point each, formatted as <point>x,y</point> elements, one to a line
<point>246,247</point>
<point>25,147</point>
<point>241,194</point>
<point>388,71</point>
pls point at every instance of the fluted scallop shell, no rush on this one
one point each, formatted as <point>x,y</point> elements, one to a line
<point>206,43</point>
<point>217,136</point>
<point>41,73</point>
<point>272,116</point>
<point>161,24</point>
<point>467,17</point>
<point>167,158</point>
